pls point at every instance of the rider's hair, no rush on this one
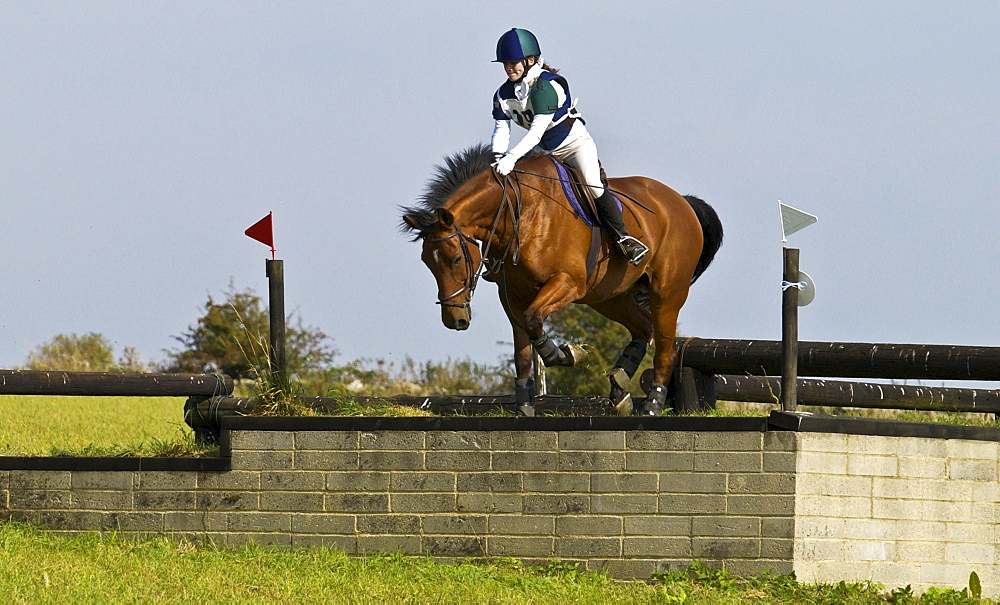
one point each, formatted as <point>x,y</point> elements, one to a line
<point>548,67</point>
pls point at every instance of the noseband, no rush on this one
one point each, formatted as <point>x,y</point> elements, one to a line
<point>472,276</point>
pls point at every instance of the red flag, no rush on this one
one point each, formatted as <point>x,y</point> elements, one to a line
<point>262,232</point>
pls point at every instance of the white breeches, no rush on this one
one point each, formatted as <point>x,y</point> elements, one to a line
<point>581,154</point>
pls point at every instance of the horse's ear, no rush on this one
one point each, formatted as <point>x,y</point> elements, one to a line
<point>445,217</point>
<point>410,221</point>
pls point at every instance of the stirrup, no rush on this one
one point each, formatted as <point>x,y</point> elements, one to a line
<point>632,249</point>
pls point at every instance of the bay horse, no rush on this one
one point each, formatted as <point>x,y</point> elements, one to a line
<point>521,232</point>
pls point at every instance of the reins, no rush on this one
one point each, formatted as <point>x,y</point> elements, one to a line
<point>580,184</point>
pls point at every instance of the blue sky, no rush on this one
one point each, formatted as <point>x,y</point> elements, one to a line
<point>139,140</point>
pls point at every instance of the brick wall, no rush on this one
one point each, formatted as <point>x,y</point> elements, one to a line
<point>626,496</point>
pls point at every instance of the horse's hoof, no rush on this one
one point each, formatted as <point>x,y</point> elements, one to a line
<point>575,353</point>
<point>527,410</point>
<point>651,409</point>
<point>624,405</point>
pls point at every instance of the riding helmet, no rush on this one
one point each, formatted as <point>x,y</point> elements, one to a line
<point>516,45</point>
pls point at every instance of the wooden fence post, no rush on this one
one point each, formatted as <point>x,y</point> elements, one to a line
<point>790,331</point>
<point>276,306</point>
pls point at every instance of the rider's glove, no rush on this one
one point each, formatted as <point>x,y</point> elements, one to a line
<point>505,164</point>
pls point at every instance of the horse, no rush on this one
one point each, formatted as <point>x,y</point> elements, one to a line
<point>521,232</point>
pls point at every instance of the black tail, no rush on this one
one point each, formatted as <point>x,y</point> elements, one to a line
<point>711,227</point>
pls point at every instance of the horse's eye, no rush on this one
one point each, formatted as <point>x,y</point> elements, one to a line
<point>455,261</point>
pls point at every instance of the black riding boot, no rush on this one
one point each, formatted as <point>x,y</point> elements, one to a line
<point>611,217</point>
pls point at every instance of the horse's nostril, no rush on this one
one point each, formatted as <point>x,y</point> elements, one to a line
<point>461,324</point>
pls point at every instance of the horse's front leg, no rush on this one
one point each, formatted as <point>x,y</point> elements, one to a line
<point>559,291</point>
<point>664,334</point>
<point>524,383</point>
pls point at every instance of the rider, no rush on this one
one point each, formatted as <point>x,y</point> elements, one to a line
<point>538,99</point>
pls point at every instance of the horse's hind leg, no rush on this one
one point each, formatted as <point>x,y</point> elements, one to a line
<point>665,313</point>
<point>637,320</point>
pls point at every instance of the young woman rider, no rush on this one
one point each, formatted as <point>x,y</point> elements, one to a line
<point>538,99</point>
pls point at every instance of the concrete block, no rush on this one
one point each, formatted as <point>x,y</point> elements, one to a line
<point>869,529</point>
<point>101,499</point>
<point>819,549</point>
<point>893,575</point>
<point>777,527</point>
<point>729,462</point>
<point>692,504</point>
<point>892,508</point>
<point>519,546</point>
<point>972,470</point>
<point>422,503</point>
<point>921,530</point>
<point>870,465</point>
<point>588,525</point>
<point>956,512</point>
<point>972,533</point>
<point>391,461</point>
<point>659,440</point>
<point>524,461</point>
<point>195,521</point>
<point>261,440</point>
<point>764,505</point>
<point>354,481</point>
<point>489,482</point>
<point>239,540</point>
<point>728,441</point>
<point>292,501</point>
<point>833,506</point>
<point>391,440</point>
<point>592,440</point>
<point>230,481</point>
<point>544,504</point>
<point>102,480</point>
<point>823,442</point>
<point>323,523</point>
<point>458,460</point>
<point>259,522</point>
<point>358,503</point>
<point>820,527</point>
<point>490,503</point>
<point>569,483</point>
<point>131,521</point>
<point>36,499</point>
<point>727,526</point>
<point>779,462</point>
<point>892,487</point>
<point>292,481</point>
<point>725,548</point>
<point>623,569</point>
<point>388,524</point>
<point>165,500</point>
<point>422,481</point>
<point>946,490</point>
<point>326,440</point>
<point>920,552</point>
<point>66,520</point>
<point>761,483</point>
<point>463,525</point>
<point>978,554</point>
<point>589,547</point>
<point>658,525</point>
<point>262,460</point>
<point>780,441</point>
<point>624,504</point>
<point>745,568</point>
<point>163,480</point>
<point>922,468</point>
<point>626,482</point>
<point>692,483</point>
<point>525,441</point>
<point>857,550</point>
<point>527,525</point>
<point>919,447</point>
<point>972,450</point>
<point>326,460</point>
<point>678,547</point>
<point>777,548</point>
<point>234,500</point>
<point>457,440</point>
<point>831,572</point>
<point>407,545</point>
<point>40,480</point>
<point>591,461</point>
<point>454,546</point>
<point>826,463</point>
<point>659,461</point>
<point>850,485</point>
<point>876,445</point>
<point>945,575</point>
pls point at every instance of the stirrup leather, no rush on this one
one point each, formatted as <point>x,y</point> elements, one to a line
<point>633,249</point>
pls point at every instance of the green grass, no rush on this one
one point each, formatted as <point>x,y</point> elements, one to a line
<point>94,426</point>
<point>43,567</point>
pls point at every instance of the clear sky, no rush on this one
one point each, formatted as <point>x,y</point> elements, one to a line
<point>139,139</point>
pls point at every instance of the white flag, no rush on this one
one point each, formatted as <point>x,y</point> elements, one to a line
<point>793,219</point>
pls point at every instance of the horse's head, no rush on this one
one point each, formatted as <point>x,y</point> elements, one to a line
<point>454,259</point>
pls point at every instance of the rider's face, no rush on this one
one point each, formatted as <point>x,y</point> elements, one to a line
<point>515,69</point>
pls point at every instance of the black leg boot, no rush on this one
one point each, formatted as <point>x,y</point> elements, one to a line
<point>611,217</point>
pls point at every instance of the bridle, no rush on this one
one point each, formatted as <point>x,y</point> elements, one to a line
<point>495,268</point>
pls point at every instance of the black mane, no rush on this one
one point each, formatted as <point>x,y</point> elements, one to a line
<point>455,172</point>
